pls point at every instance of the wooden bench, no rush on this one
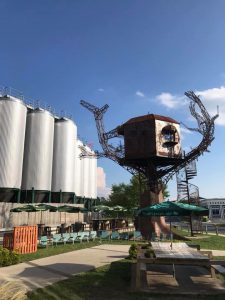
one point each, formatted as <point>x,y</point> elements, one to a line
<point>220,269</point>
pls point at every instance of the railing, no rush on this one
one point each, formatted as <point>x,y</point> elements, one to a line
<point>33,104</point>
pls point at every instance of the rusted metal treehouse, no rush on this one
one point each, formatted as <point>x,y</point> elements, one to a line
<point>152,147</point>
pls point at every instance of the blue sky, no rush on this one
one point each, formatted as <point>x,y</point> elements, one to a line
<point>138,56</point>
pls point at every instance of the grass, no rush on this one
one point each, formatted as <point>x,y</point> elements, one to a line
<point>54,250</point>
<point>206,242</point>
<point>108,282</point>
<point>213,242</point>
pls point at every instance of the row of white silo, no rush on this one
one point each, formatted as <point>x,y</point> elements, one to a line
<point>39,154</point>
<point>86,167</point>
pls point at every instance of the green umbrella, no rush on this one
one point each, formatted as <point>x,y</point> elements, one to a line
<point>44,207</point>
<point>27,208</point>
<point>169,208</point>
<point>72,209</point>
<point>117,209</point>
<point>99,208</point>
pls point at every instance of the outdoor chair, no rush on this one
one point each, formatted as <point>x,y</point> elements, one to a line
<point>56,239</point>
<point>164,236</point>
<point>125,236</point>
<point>92,235</point>
<point>154,237</point>
<point>104,235</point>
<point>115,235</point>
<point>44,241</point>
<point>137,235</point>
<point>73,237</point>
<point>65,237</point>
<point>82,236</point>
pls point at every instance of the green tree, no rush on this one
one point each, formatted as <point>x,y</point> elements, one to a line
<point>128,195</point>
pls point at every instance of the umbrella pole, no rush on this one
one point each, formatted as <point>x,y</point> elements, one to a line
<point>171,242</point>
<point>191,228</point>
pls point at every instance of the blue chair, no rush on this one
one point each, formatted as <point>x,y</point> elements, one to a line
<point>104,235</point>
<point>44,241</point>
<point>115,235</point>
<point>65,237</point>
<point>154,237</point>
<point>92,235</point>
<point>82,236</point>
<point>73,237</point>
<point>56,239</point>
<point>137,235</point>
<point>124,236</point>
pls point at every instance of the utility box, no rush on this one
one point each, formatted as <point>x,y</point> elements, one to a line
<point>151,136</point>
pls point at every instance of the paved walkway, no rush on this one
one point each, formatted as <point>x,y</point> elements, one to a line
<point>45,271</point>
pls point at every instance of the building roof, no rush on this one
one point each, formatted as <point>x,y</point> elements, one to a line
<point>151,117</point>
<point>148,117</point>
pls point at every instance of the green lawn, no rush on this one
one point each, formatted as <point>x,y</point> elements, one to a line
<point>213,242</point>
<point>54,250</point>
<point>208,242</point>
<point>108,282</point>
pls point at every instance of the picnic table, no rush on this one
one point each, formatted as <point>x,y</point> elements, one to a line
<point>164,254</point>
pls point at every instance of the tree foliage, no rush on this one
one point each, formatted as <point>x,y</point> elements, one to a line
<point>128,195</point>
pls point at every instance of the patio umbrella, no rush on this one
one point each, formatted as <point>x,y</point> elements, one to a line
<point>99,208</point>
<point>72,209</point>
<point>44,207</point>
<point>117,209</point>
<point>169,208</point>
<point>27,208</point>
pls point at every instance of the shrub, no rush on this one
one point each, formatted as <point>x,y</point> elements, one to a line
<point>149,253</point>
<point>133,251</point>
<point>146,246</point>
<point>8,257</point>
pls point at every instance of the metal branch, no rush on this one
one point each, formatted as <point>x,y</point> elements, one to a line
<point>161,174</point>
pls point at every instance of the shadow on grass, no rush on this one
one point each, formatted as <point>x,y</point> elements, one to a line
<point>108,282</point>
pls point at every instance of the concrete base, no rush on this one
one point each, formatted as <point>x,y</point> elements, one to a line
<point>190,280</point>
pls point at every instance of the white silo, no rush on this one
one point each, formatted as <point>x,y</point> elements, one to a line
<point>93,182</point>
<point>86,173</point>
<point>78,170</point>
<point>65,134</point>
<point>92,176</point>
<point>12,133</point>
<point>38,155</point>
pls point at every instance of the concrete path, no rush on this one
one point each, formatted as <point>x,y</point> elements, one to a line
<point>45,271</point>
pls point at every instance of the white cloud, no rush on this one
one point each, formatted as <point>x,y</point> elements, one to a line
<point>140,94</point>
<point>170,101</point>
<point>211,99</point>
<point>183,132</point>
<point>103,190</point>
<point>101,90</point>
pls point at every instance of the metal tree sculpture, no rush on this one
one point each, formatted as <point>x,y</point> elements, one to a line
<point>160,173</point>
